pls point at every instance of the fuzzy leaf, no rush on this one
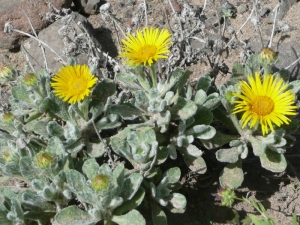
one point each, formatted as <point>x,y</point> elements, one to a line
<point>129,81</point>
<point>232,176</point>
<point>90,168</point>
<point>194,150</point>
<point>131,204</point>
<point>237,71</point>
<point>295,86</point>
<point>252,65</point>
<point>27,169</point>
<point>131,218</point>
<point>73,216</point>
<point>96,150</point>
<point>54,129</point>
<point>162,155</point>
<point>229,155</point>
<point>196,164</point>
<point>21,94</point>
<point>173,78</point>
<point>102,91</point>
<point>183,109</point>
<point>218,140</point>
<point>259,147</point>
<point>182,80</point>
<point>203,116</point>
<point>96,110</point>
<point>158,215</point>
<point>131,185</point>
<point>59,107</point>
<point>76,181</point>
<point>178,201</point>
<point>200,97</point>
<point>38,126</point>
<point>12,169</point>
<point>204,83</point>
<point>212,101</point>
<point>55,146</point>
<point>284,74</point>
<point>35,203</point>
<point>125,111</point>
<point>173,174</point>
<point>141,100</point>
<point>273,161</point>
<point>203,132</point>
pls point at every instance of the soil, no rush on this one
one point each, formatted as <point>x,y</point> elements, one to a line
<point>278,192</point>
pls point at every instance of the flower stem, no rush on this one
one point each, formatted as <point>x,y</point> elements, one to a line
<point>267,69</point>
<point>153,75</point>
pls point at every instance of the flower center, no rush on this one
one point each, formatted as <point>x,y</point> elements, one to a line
<point>78,85</point>
<point>262,105</point>
<point>147,52</point>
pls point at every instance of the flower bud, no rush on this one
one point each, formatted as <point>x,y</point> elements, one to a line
<point>7,117</point>
<point>228,95</point>
<point>30,79</point>
<point>226,196</point>
<point>44,159</point>
<point>6,156</point>
<point>7,73</point>
<point>268,56</point>
<point>100,182</point>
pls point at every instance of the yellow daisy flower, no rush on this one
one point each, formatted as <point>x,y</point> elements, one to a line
<point>265,101</point>
<point>73,83</point>
<point>146,46</point>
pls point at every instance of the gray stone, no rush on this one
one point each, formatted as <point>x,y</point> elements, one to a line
<point>14,13</point>
<point>289,52</point>
<point>88,6</point>
<point>282,11</point>
<point>66,41</point>
<point>242,8</point>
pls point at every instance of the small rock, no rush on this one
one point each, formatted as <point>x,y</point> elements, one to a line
<point>67,40</point>
<point>87,6</point>
<point>35,10</point>
<point>242,8</point>
<point>282,11</point>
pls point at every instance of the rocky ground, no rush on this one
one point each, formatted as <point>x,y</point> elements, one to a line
<point>211,45</point>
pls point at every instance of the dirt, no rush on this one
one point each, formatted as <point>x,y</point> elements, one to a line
<point>278,192</point>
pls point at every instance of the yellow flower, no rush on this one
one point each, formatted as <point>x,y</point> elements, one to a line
<point>73,83</point>
<point>146,46</point>
<point>265,101</point>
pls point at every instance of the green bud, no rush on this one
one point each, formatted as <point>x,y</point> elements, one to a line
<point>44,159</point>
<point>30,79</point>
<point>228,95</point>
<point>226,196</point>
<point>7,73</point>
<point>100,182</point>
<point>268,56</point>
<point>6,156</point>
<point>7,117</point>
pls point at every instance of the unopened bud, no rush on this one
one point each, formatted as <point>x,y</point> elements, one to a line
<point>6,156</point>
<point>30,79</point>
<point>226,196</point>
<point>44,159</point>
<point>7,73</point>
<point>100,182</point>
<point>7,117</point>
<point>268,56</point>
